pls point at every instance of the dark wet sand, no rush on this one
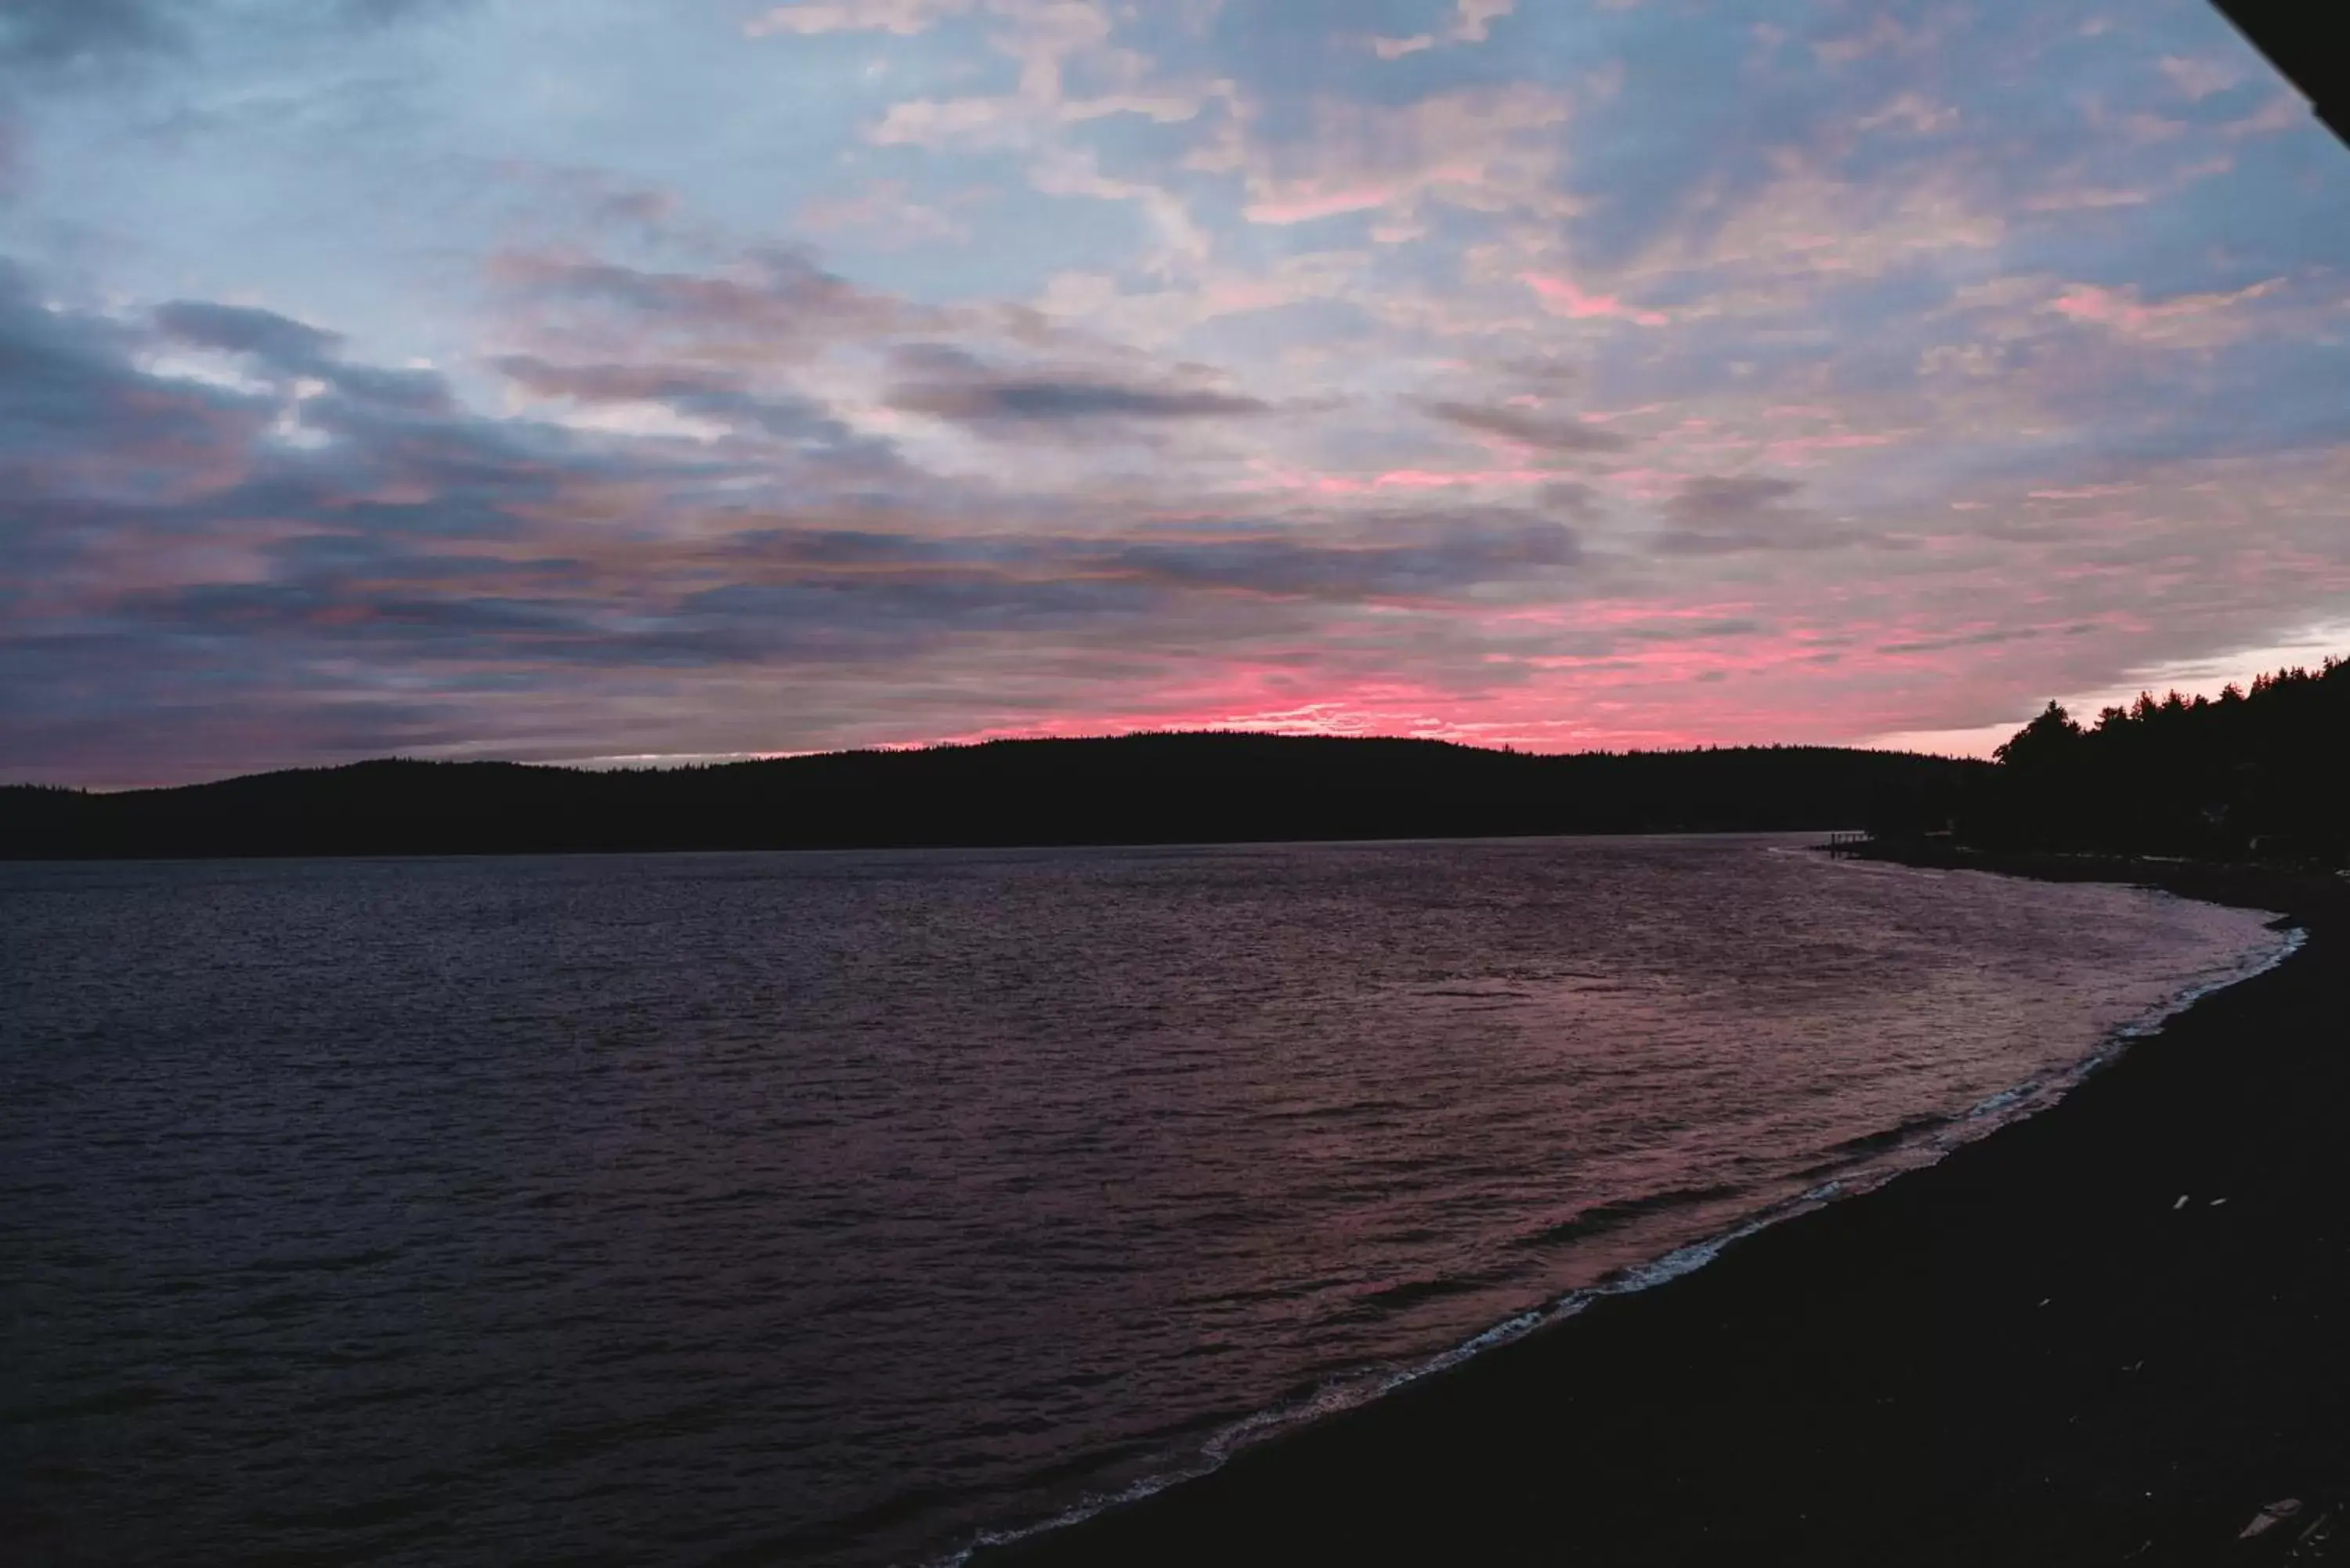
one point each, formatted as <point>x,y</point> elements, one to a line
<point>2028,1354</point>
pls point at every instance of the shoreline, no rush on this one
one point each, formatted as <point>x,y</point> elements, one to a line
<point>1931,1370</point>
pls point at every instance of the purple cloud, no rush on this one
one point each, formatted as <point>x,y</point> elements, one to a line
<point>1528,427</point>
<point>1713,515</point>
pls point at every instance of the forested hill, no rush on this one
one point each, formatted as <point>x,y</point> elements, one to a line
<point>1136,789</point>
<point>2259,774</point>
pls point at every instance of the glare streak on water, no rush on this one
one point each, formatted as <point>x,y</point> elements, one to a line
<point>831,1208</point>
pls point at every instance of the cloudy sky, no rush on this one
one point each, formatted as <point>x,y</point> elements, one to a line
<point>639,378</point>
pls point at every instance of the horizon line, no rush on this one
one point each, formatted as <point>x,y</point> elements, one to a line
<point>679,762</point>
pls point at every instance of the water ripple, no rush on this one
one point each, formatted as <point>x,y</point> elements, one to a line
<point>830,1209</point>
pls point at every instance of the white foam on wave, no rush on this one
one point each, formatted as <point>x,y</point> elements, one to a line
<point>1336,1398</point>
<point>2038,1093</point>
<point>1978,1122</point>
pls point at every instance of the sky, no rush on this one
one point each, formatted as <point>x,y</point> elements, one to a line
<point>656,380</point>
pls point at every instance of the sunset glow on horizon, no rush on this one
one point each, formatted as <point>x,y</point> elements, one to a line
<point>604,382</point>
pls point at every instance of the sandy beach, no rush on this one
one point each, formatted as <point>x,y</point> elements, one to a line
<point>2110,1334</point>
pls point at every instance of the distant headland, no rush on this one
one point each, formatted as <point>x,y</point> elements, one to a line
<point>1153,788</point>
<point>2253,775</point>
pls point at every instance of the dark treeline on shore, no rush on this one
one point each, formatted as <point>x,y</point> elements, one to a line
<point>2255,775</point>
<point>2262,774</point>
<point>1147,788</point>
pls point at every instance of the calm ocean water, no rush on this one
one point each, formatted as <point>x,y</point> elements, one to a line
<point>830,1208</point>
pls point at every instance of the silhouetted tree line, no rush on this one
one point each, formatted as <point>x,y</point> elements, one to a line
<point>1136,789</point>
<point>2259,774</point>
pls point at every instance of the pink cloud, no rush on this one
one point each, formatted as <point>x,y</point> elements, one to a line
<point>885,214</point>
<point>1473,25</point>
<point>2121,309</point>
<point>902,17</point>
<point>1560,296</point>
<point>1310,208</point>
<point>2085,493</point>
<point>1280,700</point>
<point>1657,696</point>
<point>1797,451</point>
<point>1410,479</point>
<point>2197,80</point>
<point>2107,308</point>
